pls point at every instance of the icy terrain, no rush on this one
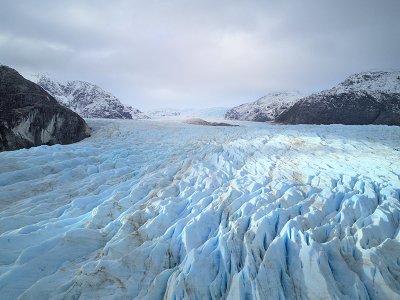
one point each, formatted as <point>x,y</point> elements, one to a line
<point>146,210</point>
<point>184,113</point>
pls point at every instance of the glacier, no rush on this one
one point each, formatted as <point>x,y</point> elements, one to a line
<point>148,209</point>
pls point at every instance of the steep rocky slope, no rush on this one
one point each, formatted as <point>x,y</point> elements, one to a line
<point>267,108</point>
<point>88,100</point>
<point>29,116</point>
<point>364,98</point>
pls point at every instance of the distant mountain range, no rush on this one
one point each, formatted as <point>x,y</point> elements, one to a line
<point>163,112</point>
<point>87,99</point>
<point>213,112</point>
<point>363,98</point>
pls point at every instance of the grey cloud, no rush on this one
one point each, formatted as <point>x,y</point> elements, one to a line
<point>200,53</point>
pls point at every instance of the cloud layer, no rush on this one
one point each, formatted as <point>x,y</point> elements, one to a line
<point>200,53</point>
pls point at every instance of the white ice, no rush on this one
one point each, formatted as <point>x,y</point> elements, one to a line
<point>150,209</point>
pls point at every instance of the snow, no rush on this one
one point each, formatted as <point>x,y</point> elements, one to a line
<point>374,83</point>
<point>87,99</point>
<point>267,108</point>
<point>164,113</point>
<point>216,113</point>
<point>152,209</point>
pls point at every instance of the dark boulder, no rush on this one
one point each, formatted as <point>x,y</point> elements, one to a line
<point>29,116</point>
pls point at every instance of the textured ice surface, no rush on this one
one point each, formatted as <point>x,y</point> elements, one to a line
<point>147,210</point>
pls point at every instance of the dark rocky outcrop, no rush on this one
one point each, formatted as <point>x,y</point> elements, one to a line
<point>29,116</point>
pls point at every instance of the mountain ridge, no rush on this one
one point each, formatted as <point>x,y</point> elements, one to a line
<point>362,98</point>
<point>266,108</point>
<point>87,99</point>
<point>370,97</point>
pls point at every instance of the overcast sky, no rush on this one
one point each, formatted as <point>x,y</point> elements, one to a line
<point>200,53</point>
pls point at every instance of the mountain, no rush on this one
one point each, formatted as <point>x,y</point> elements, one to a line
<point>29,116</point>
<point>364,98</point>
<point>267,108</point>
<point>88,100</point>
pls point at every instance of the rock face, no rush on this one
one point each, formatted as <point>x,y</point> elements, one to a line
<point>29,116</point>
<point>267,108</point>
<point>88,100</point>
<point>364,98</point>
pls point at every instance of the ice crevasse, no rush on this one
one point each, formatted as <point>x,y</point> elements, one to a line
<point>152,210</point>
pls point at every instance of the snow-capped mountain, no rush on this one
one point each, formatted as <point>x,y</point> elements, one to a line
<point>364,98</point>
<point>88,100</point>
<point>267,108</point>
<point>374,83</point>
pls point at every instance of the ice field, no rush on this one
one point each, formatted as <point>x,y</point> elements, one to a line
<point>152,210</point>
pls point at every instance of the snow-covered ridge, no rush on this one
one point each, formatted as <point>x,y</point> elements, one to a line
<point>370,82</point>
<point>364,98</point>
<point>153,210</point>
<point>373,94</point>
<point>87,99</point>
<point>267,108</point>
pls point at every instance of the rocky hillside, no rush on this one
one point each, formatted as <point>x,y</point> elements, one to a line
<point>29,116</point>
<point>88,100</point>
<point>267,108</point>
<point>364,98</point>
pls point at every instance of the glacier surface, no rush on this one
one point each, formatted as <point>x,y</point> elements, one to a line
<point>151,210</point>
